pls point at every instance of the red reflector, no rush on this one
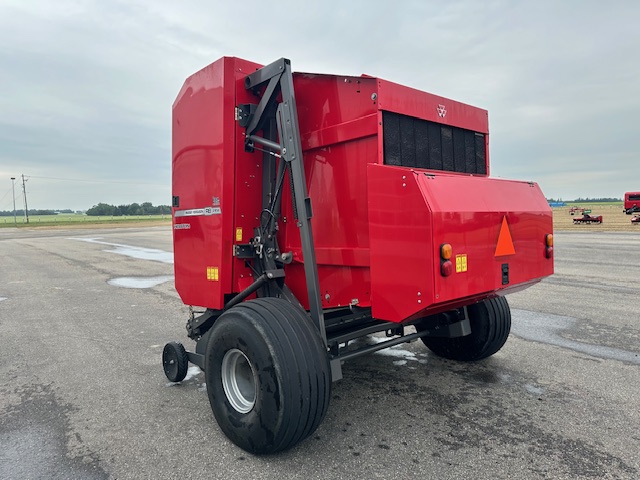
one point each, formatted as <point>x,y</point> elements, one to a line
<point>446,268</point>
<point>549,252</point>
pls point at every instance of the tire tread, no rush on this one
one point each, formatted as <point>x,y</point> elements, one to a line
<point>490,328</point>
<point>303,366</point>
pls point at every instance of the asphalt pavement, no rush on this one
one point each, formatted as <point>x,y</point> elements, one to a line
<point>84,315</point>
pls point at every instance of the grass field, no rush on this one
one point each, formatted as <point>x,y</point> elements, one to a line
<point>79,220</point>
<point>594,204</point>
<point>613,218</point>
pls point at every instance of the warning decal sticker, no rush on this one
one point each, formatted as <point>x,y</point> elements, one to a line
<point>505,242</point>
<point>461,263</point>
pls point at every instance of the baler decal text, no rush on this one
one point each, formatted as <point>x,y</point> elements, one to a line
<point>198,212</point>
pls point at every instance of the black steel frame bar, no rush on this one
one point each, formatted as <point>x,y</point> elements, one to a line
<point>255,286</point>
<point>378,327</point>
<point>456,329</point>
<point>275,146</point>
<point>287,119</point>
<point>378,346</point>
<point>266,73</point>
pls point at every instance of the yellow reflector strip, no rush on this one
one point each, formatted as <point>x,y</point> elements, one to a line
<point>212,274</point>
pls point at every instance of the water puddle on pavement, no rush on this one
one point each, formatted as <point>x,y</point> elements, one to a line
<point>546,328</point>
<point>139,282</point>
<point>403,355</point>
<point>192,372</point>
<point>131,251</point>
<point>532,389</point>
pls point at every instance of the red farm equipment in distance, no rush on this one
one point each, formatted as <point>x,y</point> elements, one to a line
<point>631,203</point>
<point>587,218</point>
<point>310,211</point>
<point>574,210</point>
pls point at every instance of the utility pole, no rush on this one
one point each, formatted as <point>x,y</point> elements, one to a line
<point>13,188</point>
<point>24,190</point>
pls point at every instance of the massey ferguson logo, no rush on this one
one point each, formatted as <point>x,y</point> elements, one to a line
<point>442,111</point>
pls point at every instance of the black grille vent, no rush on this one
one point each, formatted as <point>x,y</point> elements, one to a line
<point>411,142</point>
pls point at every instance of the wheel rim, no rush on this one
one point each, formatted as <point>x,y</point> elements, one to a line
<point>238,380</point>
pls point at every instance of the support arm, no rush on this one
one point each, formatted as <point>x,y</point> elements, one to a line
<point>278,78</point>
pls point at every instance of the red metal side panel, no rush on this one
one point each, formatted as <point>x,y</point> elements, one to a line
<point>400,230</point>
<point>326,101</point>
<point>338,123</point>
<point>248,180</point>
<point>340,224</point>
<point>203,170</point>
<point>412,213</point>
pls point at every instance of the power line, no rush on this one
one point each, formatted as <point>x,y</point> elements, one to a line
<point>97,181</point>
<point>6,206</point>
<point>2,198</point>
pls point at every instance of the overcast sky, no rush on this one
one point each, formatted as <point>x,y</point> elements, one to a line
<point>86,86</point>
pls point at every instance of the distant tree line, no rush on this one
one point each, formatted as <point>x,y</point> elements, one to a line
<point>585,200</point>
<point>598,200</point>
<point>20,213</point>
<point>146,208</point>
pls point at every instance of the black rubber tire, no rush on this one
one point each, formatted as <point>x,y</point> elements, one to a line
<point>175,361</point>
<point>490,327</point>
<point>291,374</point>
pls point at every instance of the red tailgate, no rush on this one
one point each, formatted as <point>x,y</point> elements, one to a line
<point>412,213</point>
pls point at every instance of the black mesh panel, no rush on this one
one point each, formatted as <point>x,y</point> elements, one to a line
<point>407,141</point>
<point>422,144</point>
<point>435,147</point>
<point>470,151</point>
<point>481,164</point>
<point>392,153</point>
<point>447,149</point>
<point>459,162</point>
<point>411,142</point>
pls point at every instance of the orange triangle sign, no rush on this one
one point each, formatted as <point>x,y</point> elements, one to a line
<point>505,242</point>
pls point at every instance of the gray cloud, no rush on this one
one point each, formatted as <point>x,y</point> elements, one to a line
<point>88,85</point>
